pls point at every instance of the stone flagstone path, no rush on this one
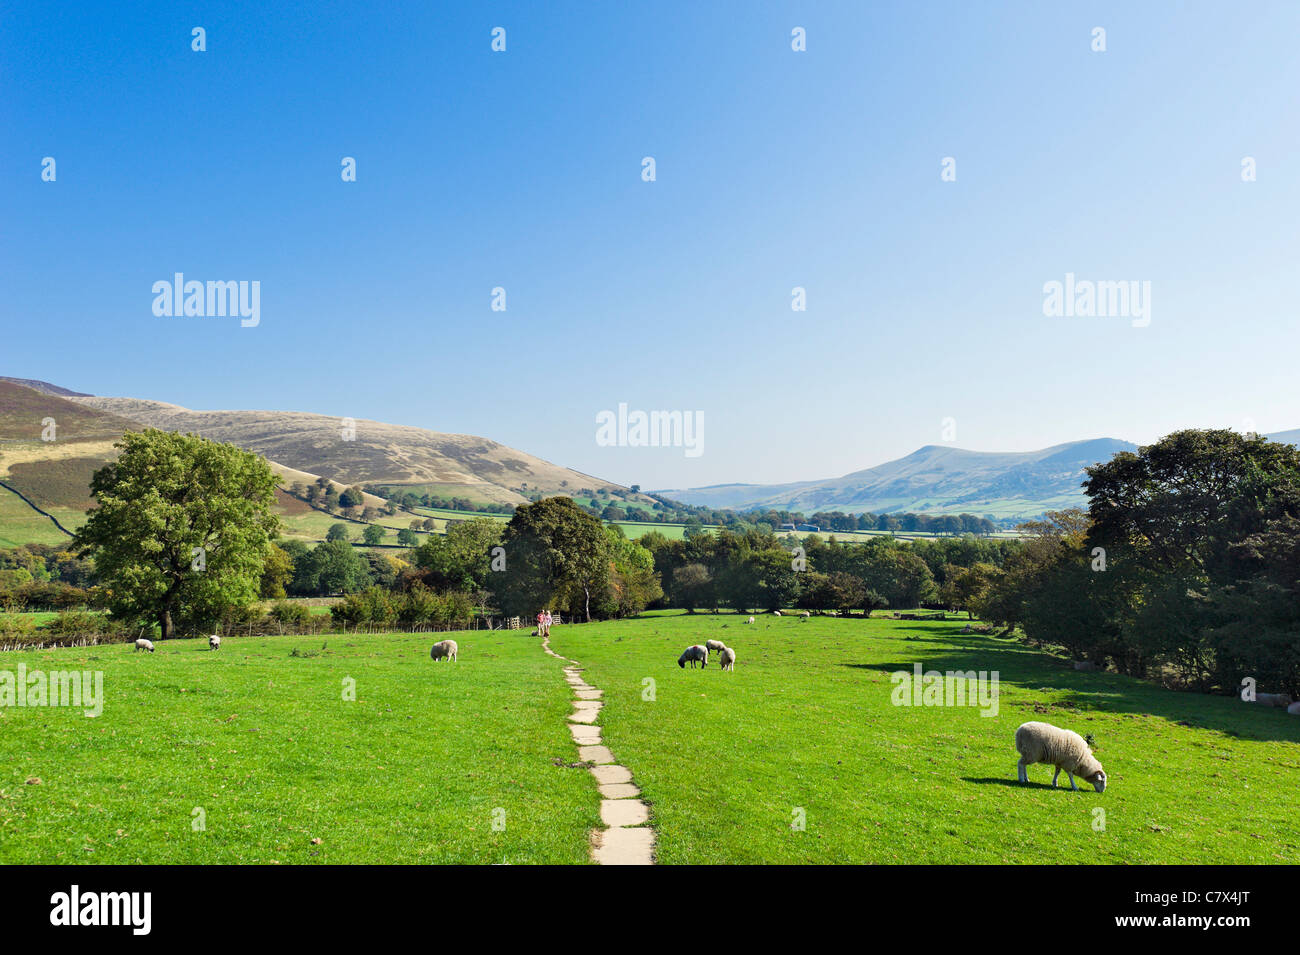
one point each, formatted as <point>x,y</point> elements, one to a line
<point>627,838</point>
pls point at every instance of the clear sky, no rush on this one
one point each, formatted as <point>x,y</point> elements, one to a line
<point>775,169</point>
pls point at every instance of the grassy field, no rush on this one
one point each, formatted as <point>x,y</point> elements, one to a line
<point>20,524</point>
<point>258,735</point>
<point>263,742</point>
<point>806,722</point>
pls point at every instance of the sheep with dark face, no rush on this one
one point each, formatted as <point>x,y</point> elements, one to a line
<point>214,642</point>
<point>1064,749</point>
<point>692,654</point>
<point>143,644</point>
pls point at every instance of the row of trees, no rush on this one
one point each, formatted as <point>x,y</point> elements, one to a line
<point>1185,566</point>
<point>752,569</point>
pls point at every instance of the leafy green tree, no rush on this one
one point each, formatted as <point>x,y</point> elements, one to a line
<point>181,526</point>
<point>633,583</point>
<point>690,586</point>
<point>331,568</point>
<point>277,573</point>
<point>556,555</point>
<point>337,532</point>
<point>461,558</point>
<point>373,534</point>
<point>407,537</point>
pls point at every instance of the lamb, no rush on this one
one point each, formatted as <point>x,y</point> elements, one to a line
<point>750,620</point>
<point>1273,699</point>
<point>1064,749</point>
<point>776,613</point>
<point>214,642</point>
<point>713,646</point>
<point>143,644</point>
<point>444,650</point>
<point>727,657</point>
<point>692,654</point>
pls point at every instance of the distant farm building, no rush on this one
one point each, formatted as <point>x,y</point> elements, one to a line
<point>808,528</point>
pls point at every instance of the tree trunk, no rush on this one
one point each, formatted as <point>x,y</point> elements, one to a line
<point>165,624</point>
<point>586,598</point>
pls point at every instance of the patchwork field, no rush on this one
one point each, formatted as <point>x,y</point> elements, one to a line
<point>259,736</point>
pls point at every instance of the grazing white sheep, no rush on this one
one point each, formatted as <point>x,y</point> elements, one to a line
<point>1294,709</point>
<point>805,615</point>
<point>444,650</point>
<point>713,646</point>
<point>750,620</point>
<point>727,657</point>
<point>692,654</point>
<point>143,644</point>
<point>1064,749</point>
<point>776,613</point>
<point>214,642</point>
<point>1273,699</point>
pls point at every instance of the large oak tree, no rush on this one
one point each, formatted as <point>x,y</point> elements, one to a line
<point>181,529</point>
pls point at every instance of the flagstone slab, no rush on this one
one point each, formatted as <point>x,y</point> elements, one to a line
<point>585,735</point>
<point>595,754</point>
<point>625,847</point>
<point>611,774</point>
<point>618,791</point>
<point>617,813</point>
<point>591,694</point>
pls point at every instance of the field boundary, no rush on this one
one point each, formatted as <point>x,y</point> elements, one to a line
<point>26,500</point>
<point>628,838</point>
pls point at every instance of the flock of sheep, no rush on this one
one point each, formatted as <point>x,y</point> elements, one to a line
<point>1036,742</point>
<point>1278,699</point>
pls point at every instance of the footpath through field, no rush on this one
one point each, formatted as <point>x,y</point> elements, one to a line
<point>627,838</point>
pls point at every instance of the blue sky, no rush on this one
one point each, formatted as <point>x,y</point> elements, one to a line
<point>775,169</point>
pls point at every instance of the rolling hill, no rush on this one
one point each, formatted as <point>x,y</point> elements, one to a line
<point>45,470</point>
<point>443,464</point>
<point>938,480</point>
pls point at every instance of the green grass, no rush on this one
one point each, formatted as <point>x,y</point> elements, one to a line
<point>410,772</point>
<point>413,769</point>
<point>806,721</point>
<point>36,617</point>
<point>21,524</point>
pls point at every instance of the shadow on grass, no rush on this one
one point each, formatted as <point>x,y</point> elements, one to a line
<point>999,781</point>
<point>1033,670</point>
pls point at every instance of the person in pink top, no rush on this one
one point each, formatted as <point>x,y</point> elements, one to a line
<point>541,623</point>
<point>548,622</point>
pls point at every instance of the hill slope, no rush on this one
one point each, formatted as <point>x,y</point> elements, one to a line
<point>453,464</point>
<point>42,481</point>
<point>935,480</point>
<point>939,480</point>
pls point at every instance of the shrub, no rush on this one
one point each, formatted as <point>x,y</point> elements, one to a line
<point>289,615</point>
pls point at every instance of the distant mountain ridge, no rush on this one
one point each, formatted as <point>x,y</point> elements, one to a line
<point>938,479</point>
